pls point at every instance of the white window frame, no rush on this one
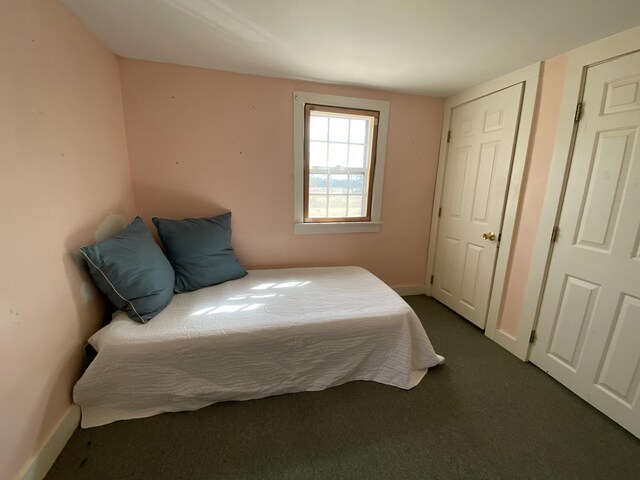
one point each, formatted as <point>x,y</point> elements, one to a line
<point>300,99</point>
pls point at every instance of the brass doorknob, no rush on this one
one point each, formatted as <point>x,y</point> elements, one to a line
<point>489,236</point>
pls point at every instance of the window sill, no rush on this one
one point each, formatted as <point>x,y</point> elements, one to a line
<point>336,227</point>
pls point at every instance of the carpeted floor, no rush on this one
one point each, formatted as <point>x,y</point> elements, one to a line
<point>481,415</point>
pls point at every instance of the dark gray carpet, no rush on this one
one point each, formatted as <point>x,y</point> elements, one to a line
<point>481,415</point>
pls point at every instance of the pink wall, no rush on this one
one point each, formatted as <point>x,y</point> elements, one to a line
<point>201,141</point>
<point>539,162</point>
<point>64,167</point>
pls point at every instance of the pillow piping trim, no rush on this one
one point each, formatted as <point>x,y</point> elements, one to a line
<point>114,288</point>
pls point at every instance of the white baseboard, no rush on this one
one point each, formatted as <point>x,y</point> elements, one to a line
<point>43,460</point>
<point>410,290</point>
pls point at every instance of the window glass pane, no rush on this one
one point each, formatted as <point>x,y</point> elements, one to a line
<point>338,153</point>
<point>318,127</point>
<point>338,129</point>
<point>318,183</point>
<point>356,184</point>
<point>338,183</point>
<point>358,131</point>
<point>356,206</point>
<point>318,154</point>
<point>339,160</point>
<point>317,206</point>
<point>337,205</point>
<point>356,156</point>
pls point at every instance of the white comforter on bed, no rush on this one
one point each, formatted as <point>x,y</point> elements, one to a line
<point>269,333</point>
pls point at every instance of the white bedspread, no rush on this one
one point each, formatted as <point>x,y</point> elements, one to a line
<point>269,333</point>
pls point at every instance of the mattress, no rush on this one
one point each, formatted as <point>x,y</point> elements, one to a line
<point>268,333</point>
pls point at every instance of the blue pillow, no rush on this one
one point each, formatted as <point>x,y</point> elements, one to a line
<point>132,271</point>
<point>199,250</point>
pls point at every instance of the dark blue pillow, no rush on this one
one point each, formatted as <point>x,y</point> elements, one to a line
<point>199,250</point>
<point>132,271</point>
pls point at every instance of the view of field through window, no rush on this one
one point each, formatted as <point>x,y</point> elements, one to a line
<point>339,164</point>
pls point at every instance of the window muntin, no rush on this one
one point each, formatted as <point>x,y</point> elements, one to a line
<point>339,163</point>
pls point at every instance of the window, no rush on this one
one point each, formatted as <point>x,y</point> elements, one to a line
<point>339,152</point>
<point>339,163</point>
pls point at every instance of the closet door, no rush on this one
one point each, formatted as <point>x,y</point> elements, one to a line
<point>478,163</point>
<point>589,323</point>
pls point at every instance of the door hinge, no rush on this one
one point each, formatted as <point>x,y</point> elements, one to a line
<point>554,234</point>
<point>448,136</point>
<point>533,337</point>
<point>439,212</point>
<point>578,114</point>
<point>431,281</point>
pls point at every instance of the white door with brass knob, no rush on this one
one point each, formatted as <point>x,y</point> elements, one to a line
<point>477,169</point>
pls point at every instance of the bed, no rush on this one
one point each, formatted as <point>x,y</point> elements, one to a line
<point>268,333</point>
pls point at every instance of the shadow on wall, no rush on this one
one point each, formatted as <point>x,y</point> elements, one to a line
<point>167,203</point>
<point>257,244</point>
<point>92,308</point>
<point>173,203</point>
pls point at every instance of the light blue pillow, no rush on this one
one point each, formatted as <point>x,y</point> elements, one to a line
<point>199,250</point>
<point>131,270</point>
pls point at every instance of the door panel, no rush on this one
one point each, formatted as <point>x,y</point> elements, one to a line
<point>476,176</point>
<point>576,309</point>
<point>589,322</point>
<point>607,176</point>
<point>619,375</point>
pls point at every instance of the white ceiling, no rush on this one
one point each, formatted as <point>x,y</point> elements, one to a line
<point>427,47</point>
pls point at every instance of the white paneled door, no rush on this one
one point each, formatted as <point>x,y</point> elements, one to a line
<point>477,171</point>
<point>589,323</point>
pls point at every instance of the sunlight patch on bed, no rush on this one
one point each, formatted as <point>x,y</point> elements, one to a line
<point>244,297</point>
<point>226,309</point>
<point>265,286</point>
<point>202,311</point>
<point>245,307</point>
<point>287,285</point>
<point>253,306</point>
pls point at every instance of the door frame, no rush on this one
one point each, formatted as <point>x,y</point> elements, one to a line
<point>528,76</point>
<point>579,59</point>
